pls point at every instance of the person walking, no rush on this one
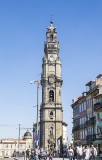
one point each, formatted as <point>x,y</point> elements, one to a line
<point>67,152</point>
<point>37,153</point>
<point>80,152</point>
<point>87,153</point>
<point>51,153</point>
<point>75,153</point>
<point>93,152</point>
<point>70,153</point>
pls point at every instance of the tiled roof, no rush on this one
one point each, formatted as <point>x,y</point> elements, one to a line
<point>10,139</point>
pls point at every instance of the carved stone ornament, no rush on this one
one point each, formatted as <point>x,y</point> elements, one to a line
<point>51,79</point>
<point>51,58</point>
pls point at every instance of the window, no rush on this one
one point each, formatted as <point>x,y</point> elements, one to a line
<point>84,105</point>
<point>2,153</point>
<point>11,153</point>
<point>51,113</point>
<point>88,131</point>
<point>80,134</point>
<point>88,117</point>
<point>6,153</point>
<point>92,131</point>
<point>80,121</point>
<point>91,102</point>
<point>51,37</point>
<point>100,100</point>
<point>87,103</point>
<point>51,96</point>
<point>84,119</point>
<point>83,134</point>
<point>80,107</point>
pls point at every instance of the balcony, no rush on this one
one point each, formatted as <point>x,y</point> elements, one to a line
<point>97,107</point>
<point>75,128</point>
<point>91,122</point>
<point>82,126</point>
<point>98,136</point>
<point>90,137</point>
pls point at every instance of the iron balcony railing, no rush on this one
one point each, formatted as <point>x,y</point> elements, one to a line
<point>97,106</point>
<point>76,128</point>
<point>90,122</point>
<point>98,136</point>
<point>91,137</point>
<point>94,137</point>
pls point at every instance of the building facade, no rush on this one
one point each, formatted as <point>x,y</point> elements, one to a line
<point>10,146</point>
<point>51,114</point>
<point>90,114</point>
<point>76,121</point>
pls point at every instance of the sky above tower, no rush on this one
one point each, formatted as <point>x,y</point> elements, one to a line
<point>23,26</point>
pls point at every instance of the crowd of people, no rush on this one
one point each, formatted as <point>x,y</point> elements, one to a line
<point>81,153</point>
<point>38,153</point>
<point>72,153</point>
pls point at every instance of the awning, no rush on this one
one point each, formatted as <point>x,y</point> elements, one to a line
<point>98,142</point>
<point>100,124</point>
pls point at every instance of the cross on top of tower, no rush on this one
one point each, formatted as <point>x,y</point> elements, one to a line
<point>51,26</point>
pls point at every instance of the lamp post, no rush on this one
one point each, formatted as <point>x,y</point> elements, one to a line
<point>37,104</point>
<point>19,139</point>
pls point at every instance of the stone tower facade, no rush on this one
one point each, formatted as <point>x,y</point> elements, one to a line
<point>51,113</point>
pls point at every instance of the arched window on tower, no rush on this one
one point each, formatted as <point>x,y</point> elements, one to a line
<point>51,96</point>
<point>51,113</point>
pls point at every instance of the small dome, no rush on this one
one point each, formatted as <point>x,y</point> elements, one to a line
<point>27,134</point>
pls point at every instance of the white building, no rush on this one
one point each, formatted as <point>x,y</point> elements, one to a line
<point>65,135</point>
<point>9,146</point>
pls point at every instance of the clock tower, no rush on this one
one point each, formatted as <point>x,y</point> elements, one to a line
<point>51,113</point>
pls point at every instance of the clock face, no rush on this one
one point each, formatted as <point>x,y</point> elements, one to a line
<point>51,79</point>
<point>51,58</point>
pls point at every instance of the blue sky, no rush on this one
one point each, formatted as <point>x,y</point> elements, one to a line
<point>23,26</point>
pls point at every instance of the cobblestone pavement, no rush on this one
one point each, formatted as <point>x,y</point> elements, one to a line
<point>22,158</point>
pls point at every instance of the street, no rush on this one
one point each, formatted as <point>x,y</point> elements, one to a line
<point>22,158</point>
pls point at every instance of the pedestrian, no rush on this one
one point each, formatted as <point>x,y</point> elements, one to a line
<point>70,153</point>
<point>75,153</point>
<point>37,153</point>
<point>93,152</point>
<point>80,152</point>
<point>84,152</point>
<point>51,153</point>
<point>67,152</point>
<point>87,153</point>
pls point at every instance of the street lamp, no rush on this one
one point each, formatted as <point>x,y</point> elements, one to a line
<point>37,103</point>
